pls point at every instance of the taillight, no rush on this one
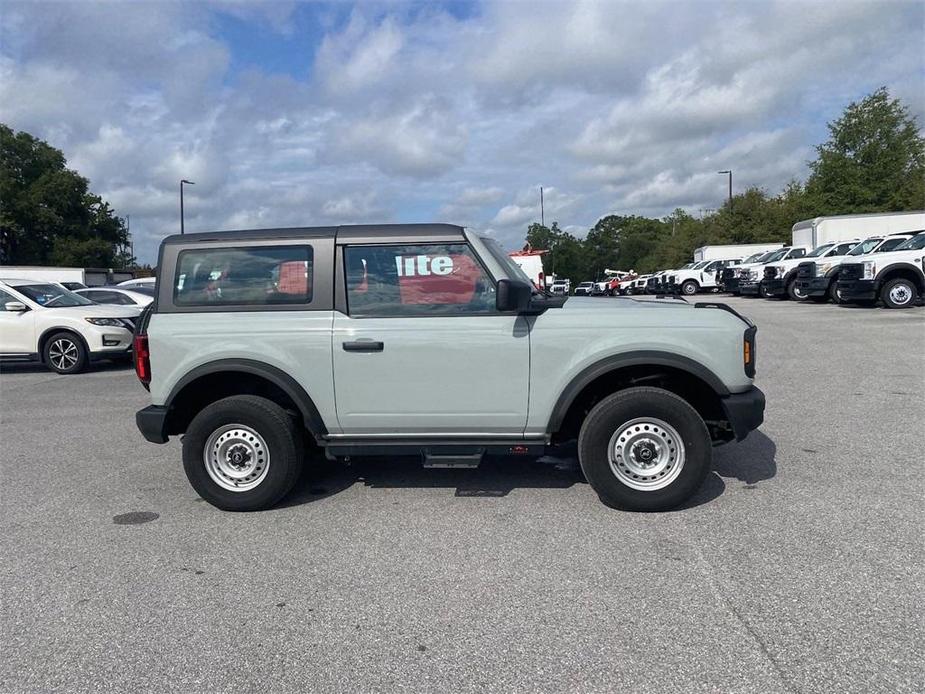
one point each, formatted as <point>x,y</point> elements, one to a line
<point>142,358</point>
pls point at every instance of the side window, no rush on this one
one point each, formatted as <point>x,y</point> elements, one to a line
<point>797,253</point>
<point>416,280</point>
<point>4,297</point>
<point>256,275</point>
<point>889,245</point>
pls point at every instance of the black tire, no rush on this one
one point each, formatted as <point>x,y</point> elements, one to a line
<point>65,353</point>
<point>278,429</point>
<point>899,288</point>
<point>610,414</point>
<point>763,291</point>
<point>794,292</point>
<point>832,291</point>
<point>689,288</point>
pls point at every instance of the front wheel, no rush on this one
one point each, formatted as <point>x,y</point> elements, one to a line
<point>899,293</point>
<point>242,453</point>
<point>644,449</point>
<point>689,288</point>
<point>795,293</point>
<point>65,353</point>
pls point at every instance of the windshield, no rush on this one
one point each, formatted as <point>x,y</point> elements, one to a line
<point>916,243</point>
<point>701,264</point>
<point>774,255</point>
<point>866,246</point>
<point>816,252</point>
<point>52,295</point>
<point>752,258</point>
<point>514,270</point>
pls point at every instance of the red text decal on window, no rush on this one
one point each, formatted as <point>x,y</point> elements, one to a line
<point>438,279</point>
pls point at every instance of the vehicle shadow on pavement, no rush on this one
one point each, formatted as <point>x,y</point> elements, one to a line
<point>751,461</point>
<point>33,367</point>
<point>495,477</point>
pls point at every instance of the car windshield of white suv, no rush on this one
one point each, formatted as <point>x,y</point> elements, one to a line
<point>865,246</point>
<point>701,264</point>
<point>916,243</point>
<point>816,252</point>
<point>52,296</point>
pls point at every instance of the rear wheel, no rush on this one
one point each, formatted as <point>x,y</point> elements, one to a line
<point>899,293</point>
<point>689,288</point>
<point>243,453</point>
<point>644,449</point>
<point>65,353</point>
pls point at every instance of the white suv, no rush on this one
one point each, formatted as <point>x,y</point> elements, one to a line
<point>44,322</point>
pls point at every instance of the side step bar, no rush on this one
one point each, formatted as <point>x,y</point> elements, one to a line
<point>432,459</point>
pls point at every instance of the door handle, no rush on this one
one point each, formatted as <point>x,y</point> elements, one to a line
<point>363,346</point>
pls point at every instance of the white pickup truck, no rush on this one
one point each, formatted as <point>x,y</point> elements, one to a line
<point>896,277</point>
<point>780,277</point>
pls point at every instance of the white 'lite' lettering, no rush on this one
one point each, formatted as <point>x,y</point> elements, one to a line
<point>421,265</point>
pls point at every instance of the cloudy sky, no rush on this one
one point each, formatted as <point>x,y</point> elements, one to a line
<point>290,114</point>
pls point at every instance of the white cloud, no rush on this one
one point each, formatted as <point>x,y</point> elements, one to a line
<point>409,113</point>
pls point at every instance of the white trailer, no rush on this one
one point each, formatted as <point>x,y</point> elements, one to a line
<point>531,262</point>
<point>90,277</point>
<point>740,250</point>
<point>815,232</point>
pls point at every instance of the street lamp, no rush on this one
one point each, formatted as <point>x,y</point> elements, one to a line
<point>189,183</point>
<point>730,186</point>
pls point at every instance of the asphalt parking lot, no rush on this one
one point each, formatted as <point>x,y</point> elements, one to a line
<point>799,567</point>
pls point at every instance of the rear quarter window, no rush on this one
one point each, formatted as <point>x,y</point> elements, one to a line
<point>244,276</point>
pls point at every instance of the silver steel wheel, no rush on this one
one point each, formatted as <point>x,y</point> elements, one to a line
<point>646,454</point>
<point>236,457</point>
<point>63,354</point>
<point>900,294</point>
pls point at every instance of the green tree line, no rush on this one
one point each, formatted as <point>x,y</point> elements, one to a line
<point>48,216</point>
<point>872,161</point>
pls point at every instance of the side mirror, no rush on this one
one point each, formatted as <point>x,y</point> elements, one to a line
<point>15,306</point>
<point>513,295</point>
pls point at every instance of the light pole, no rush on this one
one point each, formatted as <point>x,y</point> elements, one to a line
<point>189,183</point>
<point>730,186</point>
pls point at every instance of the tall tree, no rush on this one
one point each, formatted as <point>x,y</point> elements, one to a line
<point>47,213</point>
<point>874,160</point>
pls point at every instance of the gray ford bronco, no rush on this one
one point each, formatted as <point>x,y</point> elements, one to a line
<point>426,340</point>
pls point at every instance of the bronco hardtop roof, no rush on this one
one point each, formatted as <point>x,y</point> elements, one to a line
<point>354,233</point>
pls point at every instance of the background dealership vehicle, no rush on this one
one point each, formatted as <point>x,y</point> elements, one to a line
<point>896,277</point>
<point>727,279</point>
<point>43,321</point>
<point>780,277</point>
<point>138,282</point>
<point>638,285</point>
<point>560,286</point>
<point>734,250</point>
<point>428,340</point>
<point>820,230</point>
<point>700,277</point>
<point>750,275</point>
<point>531,263</point>
<point>818,280</point>
<point>584,289</point>
<point>67,276</point>
<point>139,296</point>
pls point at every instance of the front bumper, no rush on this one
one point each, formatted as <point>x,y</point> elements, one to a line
<point>857,290</point>
<point>745,411</point>
<point>152,423</point>
<point>730,285</point>
<point>775,287</point>
<point>815,286</point>
<point>748,288</point>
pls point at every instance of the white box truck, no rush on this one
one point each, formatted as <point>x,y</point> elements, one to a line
<point>815,232</point>
<point>740,250</point>
<point>70,277</point>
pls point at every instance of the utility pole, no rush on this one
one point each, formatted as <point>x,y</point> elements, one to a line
<point>189,183</point>
<point>729,172</point>
<point>128,233</point>
<point>542,209</point>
